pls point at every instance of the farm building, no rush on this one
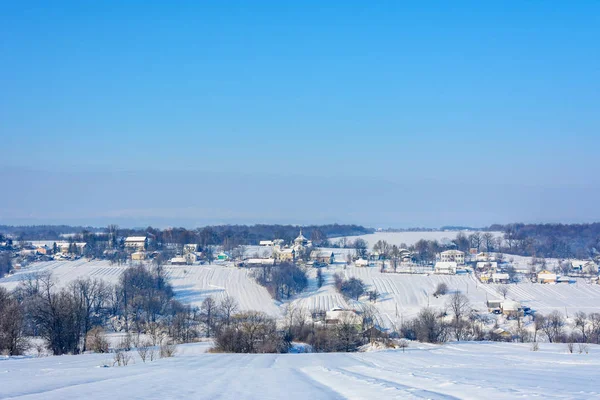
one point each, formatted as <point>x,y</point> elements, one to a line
<point>546,276</point>
<point>445,267</point>
<point>500,278</point>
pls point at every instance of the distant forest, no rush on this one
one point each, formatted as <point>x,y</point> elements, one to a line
<point>551,240</point>
<point>209,235</point>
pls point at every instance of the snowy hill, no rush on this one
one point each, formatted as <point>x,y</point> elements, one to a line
<point>456,371</point>
<point>402,295</point>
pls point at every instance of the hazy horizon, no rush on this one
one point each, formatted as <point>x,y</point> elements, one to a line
<point>379,114</point>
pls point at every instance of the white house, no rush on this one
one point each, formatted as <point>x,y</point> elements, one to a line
<point>361,262</point>
<point>266,243</point>
<point>192,257</point>
<point>500,278</point>
<point>456,256</point>
<point>445,267</point>
<point>509,307</point>
<point>136,243</point>
<point>487,265</point>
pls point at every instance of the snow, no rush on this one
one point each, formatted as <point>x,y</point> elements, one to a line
<point>452,371</point>
<point>401,295</point>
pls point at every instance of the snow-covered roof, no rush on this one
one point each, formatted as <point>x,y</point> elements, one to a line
<point>446,265</point>
<point>510,305</point>
<point>260,261</point>
<point>135,239</point>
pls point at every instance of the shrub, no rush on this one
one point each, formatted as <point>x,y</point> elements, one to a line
<point>441,289</point>
<point>96,340</point>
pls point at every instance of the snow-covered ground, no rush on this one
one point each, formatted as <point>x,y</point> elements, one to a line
<point>401,295</point>
<point>409,238</point>
<point>452,371</point>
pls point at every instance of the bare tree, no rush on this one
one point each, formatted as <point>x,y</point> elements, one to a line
<point>581,323</point>
<point>209,312</point>
<point>552,326</point>
<point>227,308</point>
<point>488,241</point>
<point>143,349</point>
<point>459,306</point>
<point>90,294</point>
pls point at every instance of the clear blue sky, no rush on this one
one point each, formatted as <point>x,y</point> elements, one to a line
<point>384,114</point>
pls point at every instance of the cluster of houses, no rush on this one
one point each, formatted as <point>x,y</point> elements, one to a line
<point>490,270</point>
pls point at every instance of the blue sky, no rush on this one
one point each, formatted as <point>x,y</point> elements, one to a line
<point>384,114</point>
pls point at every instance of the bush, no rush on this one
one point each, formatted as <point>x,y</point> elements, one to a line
<point>167,349</point>
<point>441,289</point>
<point>96,340</point>
<point>251,332</point>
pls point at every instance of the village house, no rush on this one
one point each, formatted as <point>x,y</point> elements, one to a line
<point>178,261</point>
<point>284,254</point>
<point>325,257</point>
<point>546,276</point>
<point>484,257</point>
<point>500,277</point>
<point>584,267</point>
<point>361,262</point>
<point>43,250</point>
<point>494,305</point>
<point>67,247</point>
<point>266,243</point>
<point>223,256</point>
<point>511,308</point>
<point>456,256</point>
<point>487,265</point>
<point>445,268</point>
<point>192,257</point>
<point>136,243</point>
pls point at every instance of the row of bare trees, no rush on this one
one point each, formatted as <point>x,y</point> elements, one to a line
<point>142,302</point>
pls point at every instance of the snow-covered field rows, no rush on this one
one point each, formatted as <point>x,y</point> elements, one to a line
<point>192,284</point>
<point>409,238</point>
<point>402,295</point>
<point>452,371</point>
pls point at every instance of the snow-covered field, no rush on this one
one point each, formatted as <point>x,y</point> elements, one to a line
<point>402,295</point>
<point>409,238</point>
<point>452,371</point>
